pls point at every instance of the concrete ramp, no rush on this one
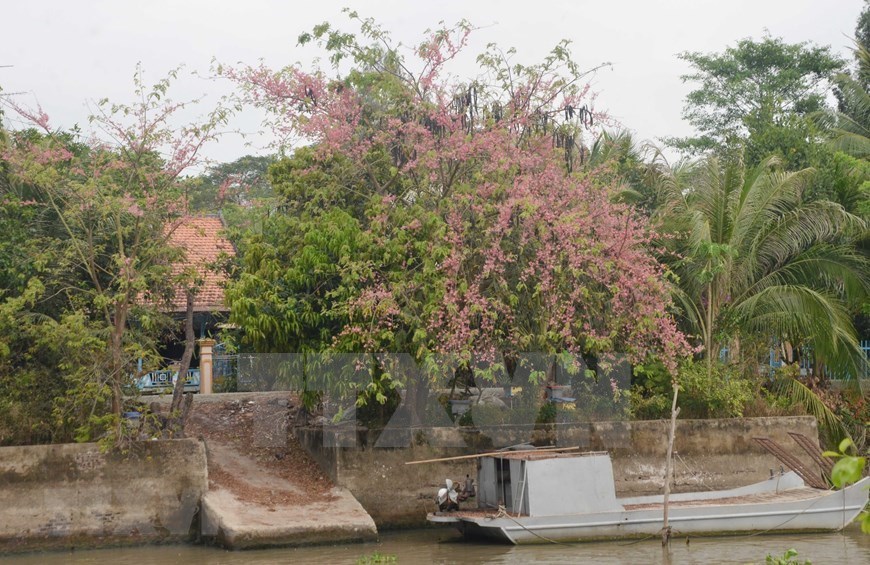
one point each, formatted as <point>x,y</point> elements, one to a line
<point>264,489</point>
<point>235,524</point>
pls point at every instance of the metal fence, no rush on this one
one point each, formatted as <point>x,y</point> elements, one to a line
<point>805,360</point>
<point>225,369</point>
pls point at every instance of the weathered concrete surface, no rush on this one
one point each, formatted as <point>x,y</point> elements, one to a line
<point>235,524</point>
<point>710,454</point>
<point>72,495</point>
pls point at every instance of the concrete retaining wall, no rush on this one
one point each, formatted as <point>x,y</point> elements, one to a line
<point>72,495</point>
<point>710,454</point>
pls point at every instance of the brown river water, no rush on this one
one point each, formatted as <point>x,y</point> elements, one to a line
<point>444,546</point>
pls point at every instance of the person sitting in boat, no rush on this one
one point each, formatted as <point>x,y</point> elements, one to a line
<point>447,499</point>
<point>467,489</point>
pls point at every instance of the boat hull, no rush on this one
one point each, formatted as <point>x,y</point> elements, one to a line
<point>797,510</point>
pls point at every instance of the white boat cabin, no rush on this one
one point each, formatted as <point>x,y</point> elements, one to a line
<point>547,484</point>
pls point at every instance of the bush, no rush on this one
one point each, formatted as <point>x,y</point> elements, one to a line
<point>724,393</point>
<point>646,406</point>
<point>721,394</point>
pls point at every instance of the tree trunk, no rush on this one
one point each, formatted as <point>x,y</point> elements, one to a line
<point>117,368</point>
<point>416,394</point>
<point>178,412</point>
<point>708,331</point>
<point>666,530</point>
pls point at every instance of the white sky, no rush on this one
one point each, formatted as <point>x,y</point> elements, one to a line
<point>65,54</point>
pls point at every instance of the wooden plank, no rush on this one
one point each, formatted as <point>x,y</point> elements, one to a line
<point>494,454</point>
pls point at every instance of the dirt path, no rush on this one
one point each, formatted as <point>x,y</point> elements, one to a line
<point>251,453</point>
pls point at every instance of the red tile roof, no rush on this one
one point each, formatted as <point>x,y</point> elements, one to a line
<point>204,246</point>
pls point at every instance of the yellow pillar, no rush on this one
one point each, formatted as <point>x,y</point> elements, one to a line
<point>205,365</point>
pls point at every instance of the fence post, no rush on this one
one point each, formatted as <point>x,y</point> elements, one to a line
<point>205,365</point>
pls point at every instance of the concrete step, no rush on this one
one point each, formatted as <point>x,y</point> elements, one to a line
<point>235,524</point>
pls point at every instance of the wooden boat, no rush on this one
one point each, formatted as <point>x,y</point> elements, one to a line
<point>539,497</point>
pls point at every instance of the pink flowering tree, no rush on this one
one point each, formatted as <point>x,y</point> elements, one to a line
<point>114,198</point>
<point>472,223</point>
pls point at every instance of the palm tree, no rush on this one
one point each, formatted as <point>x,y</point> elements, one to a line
<point>850,127</point>
<point>628,163</point>
<point>755,262</point>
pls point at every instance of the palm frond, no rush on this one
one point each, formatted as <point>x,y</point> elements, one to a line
<point>799,393</point>
<point>850,129</point>
<point>800,312</point>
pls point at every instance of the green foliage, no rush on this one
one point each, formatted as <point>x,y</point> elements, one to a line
<point>852,406</point>
<point>242,182</point>
<point>721,393</point>
<point>332,238</point>
<point>843,179</point>
<point>432,216</point>
<point>847,470</point>
<point>547,413</point>
<point>862,38</point>
<point>794,139</point>
<point>787,558</point>
<point>240,191</point>
<point>788,385</point>
<point>376,558</point>
<point>757,91</point>
<point>86,271</point>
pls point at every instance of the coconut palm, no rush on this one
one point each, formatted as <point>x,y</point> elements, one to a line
<point>850,128</point>
<point>628,163</point>
<point>755,262</point>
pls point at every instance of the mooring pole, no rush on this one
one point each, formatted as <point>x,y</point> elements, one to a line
<point>666,530</point>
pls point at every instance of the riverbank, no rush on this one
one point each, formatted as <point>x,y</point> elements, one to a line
<point>260,480</point>
<point>244,482</point>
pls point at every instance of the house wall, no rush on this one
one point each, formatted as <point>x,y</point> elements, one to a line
<point>710,454</point>
<point>74,495</point>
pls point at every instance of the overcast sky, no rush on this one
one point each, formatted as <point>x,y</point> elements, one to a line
<point>65,54</point>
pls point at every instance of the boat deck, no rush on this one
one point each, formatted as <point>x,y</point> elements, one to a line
<point>476,513</point>
<point>790,495</point>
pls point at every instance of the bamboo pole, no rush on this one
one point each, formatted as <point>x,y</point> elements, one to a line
<point>666,530</point>
<point>494,454</point>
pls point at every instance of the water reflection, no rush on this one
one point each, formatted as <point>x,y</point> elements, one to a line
<point>443,546</point>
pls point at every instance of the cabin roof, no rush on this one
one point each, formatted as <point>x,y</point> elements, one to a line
<point>537,455</point>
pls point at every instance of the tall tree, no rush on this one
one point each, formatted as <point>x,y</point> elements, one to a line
<point>437,216</point>
<point>115,200</point>
<point>757,94</point>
